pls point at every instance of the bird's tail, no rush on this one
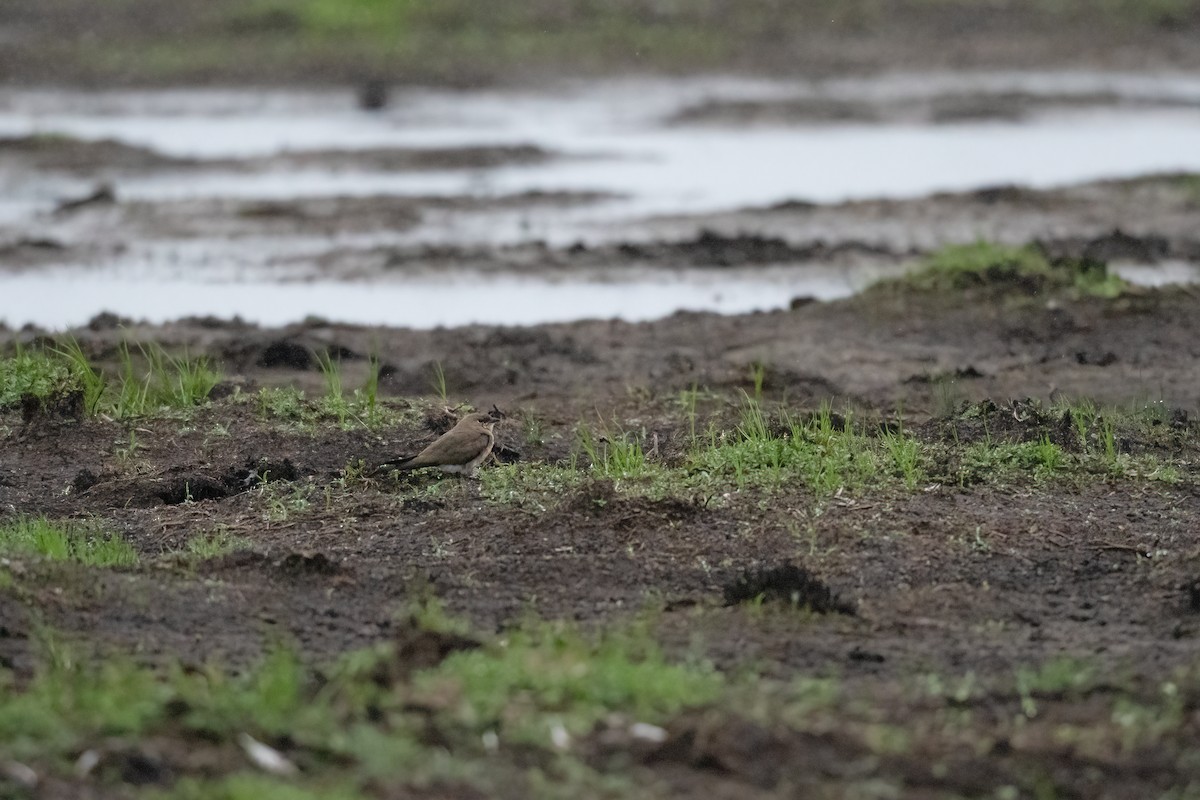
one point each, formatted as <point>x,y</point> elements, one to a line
<point>395,463</point>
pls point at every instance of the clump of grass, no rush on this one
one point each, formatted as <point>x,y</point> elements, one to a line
<point>360,407</point>
<point>1048,455</point>
<point>368,396</point>
<point>1083,418</point>
<point>614,455</point>
<point>334,401</point>
<point>282,403</point>
<point>905,454</point>
<point>823,456</point>
<point>40,536</point>
<point>181,382</point>
<point>215,544</point>
<point>92,383</point>
<point>1058,677</point>
<point>1108,443</point>
<point>438,382</point>
<point>989,461</point>
<point>687,401</point>
<point>36,373</point>
<point>551,674</point>
<point>1026,269</point>
<point>174,382</point>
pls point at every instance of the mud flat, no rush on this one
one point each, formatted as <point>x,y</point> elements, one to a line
<point>1029,571</point>
<point>923,525</point>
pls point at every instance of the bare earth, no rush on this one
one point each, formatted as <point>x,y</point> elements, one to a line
<point>956,577</point>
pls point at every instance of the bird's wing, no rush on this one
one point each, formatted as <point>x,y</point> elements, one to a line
<point>456,447</point>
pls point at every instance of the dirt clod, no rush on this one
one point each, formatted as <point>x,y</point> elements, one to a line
<point>308,563</point>
<point>790,584</point>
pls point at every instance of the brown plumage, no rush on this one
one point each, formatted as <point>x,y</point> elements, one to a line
<point>459,450</point>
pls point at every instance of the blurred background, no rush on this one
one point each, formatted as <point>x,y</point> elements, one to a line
<point>420,164</point>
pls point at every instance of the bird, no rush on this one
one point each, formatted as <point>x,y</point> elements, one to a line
<point>459,450</point>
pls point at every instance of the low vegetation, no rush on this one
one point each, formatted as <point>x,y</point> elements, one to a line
<point>35,374</point>
<point>64,541</point>
<point>452,39</point>
<point>64,378</point>
<point>529,712</point>
<point>1024,270</point>
<point>827,452</point>
<point>351,724</point>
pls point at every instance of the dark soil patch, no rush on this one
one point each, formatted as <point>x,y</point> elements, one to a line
<point>788,584</point>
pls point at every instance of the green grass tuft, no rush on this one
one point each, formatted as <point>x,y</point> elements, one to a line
<point>1023,269</point>
<point>250,787</point>
<point>36,373</point>
<point>65,542</point>
<point>614,455</point>
<point>213,545</point>
<point>817,453</point>
<point>551,674</point>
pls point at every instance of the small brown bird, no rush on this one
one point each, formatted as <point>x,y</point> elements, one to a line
<point>460,449</point>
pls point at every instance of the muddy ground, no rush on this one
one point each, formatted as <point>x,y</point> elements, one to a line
<point>948,579</point>
<point>983,577</point>
<point>461,43</point>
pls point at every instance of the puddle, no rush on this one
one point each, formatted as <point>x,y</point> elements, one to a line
<point>451,301</point>
<point>1165,273</point>
<point>680,171</point>
<point>413,304</point>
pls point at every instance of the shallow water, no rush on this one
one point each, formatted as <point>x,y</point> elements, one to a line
<point>64,298</point>
<point>616,129</point>
<point>613,139</point>
<point>69,297</point>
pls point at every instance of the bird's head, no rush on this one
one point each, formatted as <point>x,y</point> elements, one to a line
<point>486,420</point>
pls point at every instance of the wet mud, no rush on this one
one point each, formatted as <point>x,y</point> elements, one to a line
<point>962,575</point>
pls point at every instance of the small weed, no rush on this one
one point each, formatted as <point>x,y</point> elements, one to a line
<point>948,399</point>
<point>368,396</point>
<point>990,462</point>
<point>1048,455</point>
<point>438,383</point>
<point>758,374</point>
<point>212,545</point>
<point>285,403</point>
<point>90,380</point>
<point>284,500</point>
<point>1108,442</point>
<point>535,434</point>
<point>334,401</point>
<point>815,452</point>
<point>687,401</point>
<point>182,382</point>
<point>126,455</point>
<point>361,408</point>
<point>905,453</point>
<point>1083,417</point>
<point>614,456</point>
